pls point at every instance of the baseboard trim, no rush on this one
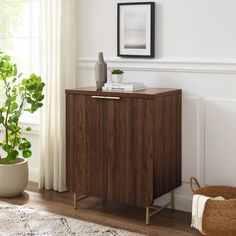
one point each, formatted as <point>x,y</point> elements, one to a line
<point>182,202</point>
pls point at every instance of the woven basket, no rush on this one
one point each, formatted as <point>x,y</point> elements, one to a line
<point>219,215</point>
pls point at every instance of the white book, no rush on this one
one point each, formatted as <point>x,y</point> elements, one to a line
<point>125,88</point>
<point>130,85</point>
<point>125,84</point>
<point>104,88</point>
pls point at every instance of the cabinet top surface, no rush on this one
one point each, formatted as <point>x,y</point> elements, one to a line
<point>145,93</point>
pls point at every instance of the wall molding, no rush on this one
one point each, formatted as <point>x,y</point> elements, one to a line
<point>34,128</point>
<point>163,65</point>
<point>216,99</point>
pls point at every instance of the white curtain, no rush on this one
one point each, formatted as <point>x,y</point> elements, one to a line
<point>58,72</point>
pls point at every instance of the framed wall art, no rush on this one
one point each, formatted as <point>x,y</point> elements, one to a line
<point>136,29</point>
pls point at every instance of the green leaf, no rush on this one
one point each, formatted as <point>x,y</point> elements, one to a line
<point>7,58</point>
<point>13,118</point>
<point>13,155</point>
<point>27,153</point>
<point>15,69</point>
<point>1,119</point>
<point>28,129</point>
<point>4,109</point>
<point>14,106</point>
<point>24,145</point>
<point>7,148</point>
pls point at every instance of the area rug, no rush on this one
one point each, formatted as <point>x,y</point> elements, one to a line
<point>17,220</point>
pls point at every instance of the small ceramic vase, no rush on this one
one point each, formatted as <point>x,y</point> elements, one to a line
<point>100,71</point>
<point>116,78</point>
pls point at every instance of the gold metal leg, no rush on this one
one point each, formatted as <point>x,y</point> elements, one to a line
<point>147,215</point>
<point>172,200</point>
<point>78,199</point>
<point>82,197</point>
<point>75,200</point>
<point>156,209</point>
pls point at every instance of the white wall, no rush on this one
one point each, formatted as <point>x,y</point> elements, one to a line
<point>195,51</point>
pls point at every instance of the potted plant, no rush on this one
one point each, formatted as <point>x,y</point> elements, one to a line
<point>19,95</point>
<point>117,76</point>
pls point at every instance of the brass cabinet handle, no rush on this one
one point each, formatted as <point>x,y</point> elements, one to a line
<point>106,97</point>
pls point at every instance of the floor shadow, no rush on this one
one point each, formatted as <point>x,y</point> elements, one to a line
<point>19,200</point>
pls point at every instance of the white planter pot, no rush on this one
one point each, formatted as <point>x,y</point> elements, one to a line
<point>13,178</point>
<point>116,78</point>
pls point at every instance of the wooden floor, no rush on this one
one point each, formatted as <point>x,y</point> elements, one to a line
<point>131,218</point>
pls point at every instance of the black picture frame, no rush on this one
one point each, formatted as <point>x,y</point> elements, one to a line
<point>135,37</point>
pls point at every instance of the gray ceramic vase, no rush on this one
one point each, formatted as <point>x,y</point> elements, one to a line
<point>100,71</point>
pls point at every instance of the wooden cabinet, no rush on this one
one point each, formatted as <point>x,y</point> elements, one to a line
<point>123,146</point>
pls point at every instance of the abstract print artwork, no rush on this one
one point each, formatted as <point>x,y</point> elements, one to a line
<point>136,29</point>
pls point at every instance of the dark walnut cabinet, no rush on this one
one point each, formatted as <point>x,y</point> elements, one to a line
<point>123,146</point>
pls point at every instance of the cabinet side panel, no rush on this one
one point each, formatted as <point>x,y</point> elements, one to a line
<point>69,142</point>
<point>142,149</point>
<point>129,152</point>
<point>167,144</point>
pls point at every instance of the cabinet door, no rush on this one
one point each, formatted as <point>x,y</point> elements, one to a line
<point>89,145</point>
<point>129,151</point>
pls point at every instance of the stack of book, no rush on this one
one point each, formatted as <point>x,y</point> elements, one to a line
<point>131,86</point>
